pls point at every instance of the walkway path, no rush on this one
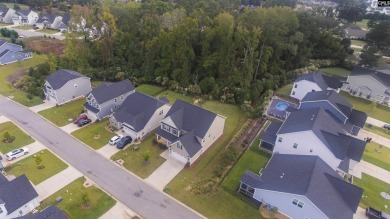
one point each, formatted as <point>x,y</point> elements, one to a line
<point>56,182</point>
<point>375,122</point>
<point>372,170</point>
<point>119,211</point>
<point>43,106</point>
<point>376,138</point>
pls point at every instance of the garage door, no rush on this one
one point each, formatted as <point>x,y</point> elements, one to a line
<point>178,157</point>
<point>91,115</point>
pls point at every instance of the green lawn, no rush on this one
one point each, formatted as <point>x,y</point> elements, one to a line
<point>372,109</point>
<point>72,204</point>
<point>358,43</point>
<point>88,133</point>
<point>357,49</point>
<point>61,115</point>
<point>4,24</point>
<point>336,71</point>
<point>134,161</point>
<point>21,138</point>
<point>48,31</point>
<point>384,61</point>
<point>379,156</point>
<point>11,5</point>
<point>172,96</point>
<point>285,90</point>
<point>23,27</point>
<point>371,195</point>
<point>378,130</point>
<point>53,165</point>
<point>7,89</point>
<point>151,90</point>
<point>362,24</point>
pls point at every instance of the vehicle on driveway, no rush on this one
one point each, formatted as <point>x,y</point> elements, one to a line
<point>16,153</point>
<point>386,126</point>
<point>114,140</point>
<point>372,213</point>
<point>80,117</point>
<point>84,122</point>
<point>123,142</point>
<point>22,36</point>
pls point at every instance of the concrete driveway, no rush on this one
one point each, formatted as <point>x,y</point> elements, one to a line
<point>3,119</point>
<point>119,211</point>
<point>43,106</point>
<point>70,128</point>
<point>375,122</point>
<point>376,138</point>
<point>372,170</point>
<point>108,150</point>
<point>166,172</point>
<point>33,148</point>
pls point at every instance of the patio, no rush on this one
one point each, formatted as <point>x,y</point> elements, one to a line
<point>279,108</point>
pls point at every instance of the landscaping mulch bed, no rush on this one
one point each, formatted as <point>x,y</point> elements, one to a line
<point>46,46</point>
<point>255,127</point>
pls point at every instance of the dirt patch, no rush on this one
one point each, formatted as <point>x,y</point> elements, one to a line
<point>46,46</point>
<point>13,78</point>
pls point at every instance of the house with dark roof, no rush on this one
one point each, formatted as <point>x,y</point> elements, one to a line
<point>314,81</point>
<point>48,21</point>
<point>351,120</point>
<point>24,17</point>
<point>302,187</point>
<point>139,114</point>
<point>371,84</point>
<point>315,132</point>
<point>10,53</point>
<point>188,130</point>
<point>107,98</point>
<point>6,15</point>
<point>17,197</point>
<point>51,212</point>
<point>66,85</point>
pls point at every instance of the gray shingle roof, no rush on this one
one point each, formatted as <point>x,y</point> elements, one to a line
<point>60,77</point>
<point>380,74</point>
<point>190,143</point>
<point>14,200</point>
<point>137,110</point>
<point>46,17</point>
<point>358,118</point>
<point>3,53</point>
<point>3,11</point>
<point>109,91</point>
<point>269,134</point>
<point>311,177</point>
<point>2,42</point>
<point>51,212</point>
<point>322,80</point>
<point>3,179</point>
<point>23,12</point>
<point>66,19</point>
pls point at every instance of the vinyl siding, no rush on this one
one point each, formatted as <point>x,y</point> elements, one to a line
<point>111,106</point>
<point>303,87</point>
<point>69,91</point>
<point>362,82</point>
<point>214,132</point>
<point>11,57</point>
<point>28,207</point>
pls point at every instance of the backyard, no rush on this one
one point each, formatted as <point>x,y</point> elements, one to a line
<point>151,90</point>
<point>172,96</point>
<point>52,166</point>
<point>134,160</point>
<point>377,155</point>
<point>95,135</point>
<point>285,90</point>
<point>21,138</point>
<point>72,195</point>
<point>63,114</point>
<point>336,71</point>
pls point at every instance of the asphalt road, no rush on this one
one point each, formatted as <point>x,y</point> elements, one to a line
<point>31,33</point>
<point>124,186</point>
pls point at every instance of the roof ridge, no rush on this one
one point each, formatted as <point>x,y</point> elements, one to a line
<point>311,175</point>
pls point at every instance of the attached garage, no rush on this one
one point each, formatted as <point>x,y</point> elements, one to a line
<point>178,156</point>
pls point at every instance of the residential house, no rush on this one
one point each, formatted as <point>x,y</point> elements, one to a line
<point>10,53</point>
<point>302,187</point>
<point>140,114</point>
<point>51,212</point>
<point>315,132</point>
<point>354,32</point>
<point>66,85</point>
<point>107,98</point>
<point>25,17</point>
<point>314,81</point>
<point>48,21</point>
<point>6,15</point>
<point>17,197</point>
<point>188,130</point>
<point>372,84</point>
<point>352,120</point>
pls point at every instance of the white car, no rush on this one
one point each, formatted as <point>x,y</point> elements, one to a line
<point>115,139</point>
<point>16,153</point>
<point>22,36</point>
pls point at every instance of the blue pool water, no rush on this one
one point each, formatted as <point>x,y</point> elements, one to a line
<point>281,106</point>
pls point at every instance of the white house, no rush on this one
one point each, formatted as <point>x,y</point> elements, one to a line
<point>6,15</point>
<point>140,114</point>
<point>65,85</point>
<point>188,130</point>
<point>25,17</point>
<point>18,197</point>
<point>302,187</point>
<point>314,81</point>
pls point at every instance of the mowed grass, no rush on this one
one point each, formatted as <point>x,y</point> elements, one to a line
<point>378,130</point>
<point>172,96</point>
<point>61,115</point>
<point>23,27</point>
<point>336,71</point>
<point>285,90</point>
<point>53,165</point>
<point>11,5</point>
<point>87,134</point>
<point>362,24</point>
<point>6,89</point>
<point>151,90</point>
<point>372,192</point>
<point>48,31</point>
<point>377,155</point>
<point>134,160</point>
<point>72,204</point>
<point>372,109</point>
<point>358,43</point>
<point>21,138</point>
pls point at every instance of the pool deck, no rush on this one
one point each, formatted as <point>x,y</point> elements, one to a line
<point>273,112</point>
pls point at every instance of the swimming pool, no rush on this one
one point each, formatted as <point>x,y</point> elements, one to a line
<point>281,106</point>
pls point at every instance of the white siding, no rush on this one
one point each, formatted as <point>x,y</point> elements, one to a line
<point>154,121</point>
<point>32,17</point>
<point>303,87</point>
<point>169,122</point>
<point>362,82</point>
<point>73,89</point>
<point>25,209</point>
<point>214,132</point>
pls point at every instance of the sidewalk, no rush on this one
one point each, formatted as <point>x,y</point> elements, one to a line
<point>119,211</point>
<point>376,138</point>
<point>70,128</point>
<point>56,182</point>
<point>3,119</point>
<point>43,106</point>
<point>375,122</point>
<point>372,170</point>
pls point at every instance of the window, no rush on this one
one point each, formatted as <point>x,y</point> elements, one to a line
<point>295,85</point>
<point>209,134</point>
<point>313,91</point>
<point>75,85</point>
<point>161,112</point>
<point>311,150</point>
<point>295,201</point>
<point>165,127</point>
<point>180,146</point>
<point>1,210</point>
<point>300,204</point>
<point>115,100</point>
<point>295,145</point>
<point>293,93</point>
<point>121,97</point>
<point>280,139</point>
<point>203,140</point>
<point>174,131</point>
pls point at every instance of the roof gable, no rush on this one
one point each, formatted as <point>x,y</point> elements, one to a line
<point>322,80</point>
<point>46,18</point>
<point>60,77</point>
<point>380,74</point>
<point>109,91</point>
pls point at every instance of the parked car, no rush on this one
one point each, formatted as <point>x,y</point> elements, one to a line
<point>114,140</point>
<point>386,126</point>
<point>372,213</point>
<point>123,142</point>
<point>16,153</point>
<point>80,117</point>
<point>84,122</point>
<point>22,36</point>
<point>36,28</point>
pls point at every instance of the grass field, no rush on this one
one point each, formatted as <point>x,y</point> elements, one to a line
<point>378,130</point>
<point>358,43</point>
<point>62,114</point>
<point>379,156</point>
<point>48,31</point>
<point>11,5</point>
<point>72,204</point>
<point>134,161</point>
<point>21,138</point>
<point>371,195</point>
<point>384,61</point>
<point>362,24</point>
<point>8,90</point>
<point>23,27</point>
<point>88,133</point>
<point>172,96</point>
<point>285,90</point>
<point>336,71</point>
<point>53,165</point>
<point>151,90</point>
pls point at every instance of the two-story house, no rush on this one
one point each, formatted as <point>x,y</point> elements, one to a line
<point>66,85</point>
<point>48,21</point>
<point>314,81</point>
<point>17,197</point>
<point>302,187</point>
<point>6,15</point>
<point>24,17</point>
<point>107,98</point>
<point>10,53</point>
<point>140,114</point>
<point>188,130</point>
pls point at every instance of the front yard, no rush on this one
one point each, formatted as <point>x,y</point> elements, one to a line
<point>378,130</point>
<point>63,114</point>
<point>377,155</point>
<point>21,138</point>
<point>52,166</point>
<point>134,160</point>
<point>48,31</point>
<point>72,204</point>
<point>285,90</point>
<point>95,135</point>
<point>23,27</point>
<point>336,71</point>
<point>151,90</point>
